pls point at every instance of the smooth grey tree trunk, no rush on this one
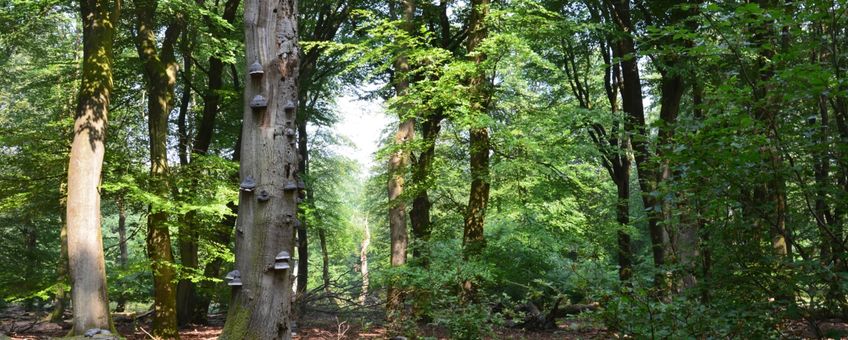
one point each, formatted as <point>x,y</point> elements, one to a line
<point>85,243</point>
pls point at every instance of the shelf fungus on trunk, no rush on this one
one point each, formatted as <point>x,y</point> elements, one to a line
<point>248,184</point>
<point>255,70</point>
<point>290,185</point>
<point>233,278</point>
<point>281,262</point>
<point>263,196</point>
<point>259,102</point>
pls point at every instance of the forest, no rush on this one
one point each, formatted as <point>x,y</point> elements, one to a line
<point>424,169</point>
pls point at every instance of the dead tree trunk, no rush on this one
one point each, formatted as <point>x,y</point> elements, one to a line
<point>261,302</point>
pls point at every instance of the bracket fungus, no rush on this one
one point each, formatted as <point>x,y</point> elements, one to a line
<point>281,262</point>
<point>255,69</point>
<point>248,184</point>
<point>259,102</point>
<point>234,278</point>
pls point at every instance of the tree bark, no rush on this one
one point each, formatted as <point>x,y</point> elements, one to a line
<point>631,94</point>
<point>473,240</point>
<point>419,215</point>
<point>85,244</point>
<point>397,168</point>
<point>260,309</point>
<point>160,72</point>
<point>187,227</point>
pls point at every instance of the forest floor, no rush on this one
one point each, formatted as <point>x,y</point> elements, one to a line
<point>19,324</point>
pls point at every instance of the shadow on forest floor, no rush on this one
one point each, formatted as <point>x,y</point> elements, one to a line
<point>19,324</point>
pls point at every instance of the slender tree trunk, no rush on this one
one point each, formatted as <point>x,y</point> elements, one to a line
<point>302,236</point>
<point>631,94</point>
<point>160,71</point>
<point>187,228</point>
<point>223,232</point>
<point>622,216</point>
<point>615,150</point>
<point>260,308</point>
<point>473,240</point>
<point>397,168</point>
<point>84,239</point>
<point>419,215</point>
<point>325,260</point>
<point>61,297</point>
<point>773,192</point>
<point>123,256</point>
<point>192,306</point>
<point>363,264</point>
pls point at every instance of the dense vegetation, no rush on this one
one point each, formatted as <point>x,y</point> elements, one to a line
<point>666,169</point>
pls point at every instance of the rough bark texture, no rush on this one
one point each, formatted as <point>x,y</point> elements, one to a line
<point>85,243</point>
<point>397,167</point>
<point>260,308</point>
<point>473,240</point>
<point>160,72</point>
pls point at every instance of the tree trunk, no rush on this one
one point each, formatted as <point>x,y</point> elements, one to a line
<point>224,231</point>
<point>260,308</point>
<point>160,71</point>
<point>61,297</point>
<point>419,215</point>
<point>473,240</point>
<point>302,236</point>
<point>85,244</point>
<point>123,257</point>
<point>397,168</point>
<point>363,264</point>
<point>774,190</point>
<point>325,260</point>
<point>631,94</point>
<point>187,227</point>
